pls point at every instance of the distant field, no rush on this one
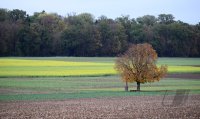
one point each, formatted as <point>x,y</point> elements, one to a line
<point>60,88</point>
<point>71,66</point>
<point>44,67</point>
<point>59,78</point>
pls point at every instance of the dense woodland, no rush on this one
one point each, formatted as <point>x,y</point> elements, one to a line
<point>50,34</point>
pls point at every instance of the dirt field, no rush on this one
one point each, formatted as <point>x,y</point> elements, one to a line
<point>109,108</point>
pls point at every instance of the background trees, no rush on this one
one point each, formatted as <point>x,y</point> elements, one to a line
<point>138,64</point>
<point>49,34</point>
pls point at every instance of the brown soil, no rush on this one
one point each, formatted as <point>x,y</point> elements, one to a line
<point>109,108</point>
<point>184,76</point>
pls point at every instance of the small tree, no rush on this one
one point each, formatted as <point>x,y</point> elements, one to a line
<point>138,64</point>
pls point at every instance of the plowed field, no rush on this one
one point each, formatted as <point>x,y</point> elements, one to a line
<point>109,108</point>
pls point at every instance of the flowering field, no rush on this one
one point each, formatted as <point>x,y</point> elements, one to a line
<point>22,67</point>
<point>66,66</point>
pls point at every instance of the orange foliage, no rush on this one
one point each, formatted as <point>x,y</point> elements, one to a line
<point>138,64</point>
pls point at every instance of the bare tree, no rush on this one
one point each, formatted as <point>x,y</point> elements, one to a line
<point>138,64</point>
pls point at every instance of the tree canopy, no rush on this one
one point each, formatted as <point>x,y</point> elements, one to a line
<point>50,34</point>
<point>138,64</point>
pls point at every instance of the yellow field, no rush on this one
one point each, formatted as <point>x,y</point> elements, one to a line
<point>18,67</point>
<point>44,67</point>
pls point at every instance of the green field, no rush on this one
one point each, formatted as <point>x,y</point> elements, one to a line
<point>59,78</point>
<point>70,66</point>
<point>47,88</point>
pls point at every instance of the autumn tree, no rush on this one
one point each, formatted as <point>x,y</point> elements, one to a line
<point>138,64</point>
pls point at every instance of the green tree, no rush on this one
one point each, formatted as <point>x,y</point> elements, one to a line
<point>148,20</point>
<point>81,38</point>
<point>3,14</point>
<point>17,15</point>
<point>83,35</point>
<point>113,36</point>
<point>165,18</point>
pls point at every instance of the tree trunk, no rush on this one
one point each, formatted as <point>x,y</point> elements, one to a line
<point>126,86</point>
<point>138,86</point>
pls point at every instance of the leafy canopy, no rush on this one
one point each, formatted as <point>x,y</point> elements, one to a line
<point>138,64</point>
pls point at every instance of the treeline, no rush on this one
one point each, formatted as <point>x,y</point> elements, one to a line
<point>44,34</point>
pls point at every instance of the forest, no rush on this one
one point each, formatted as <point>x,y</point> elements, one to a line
<point>50,34</point>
